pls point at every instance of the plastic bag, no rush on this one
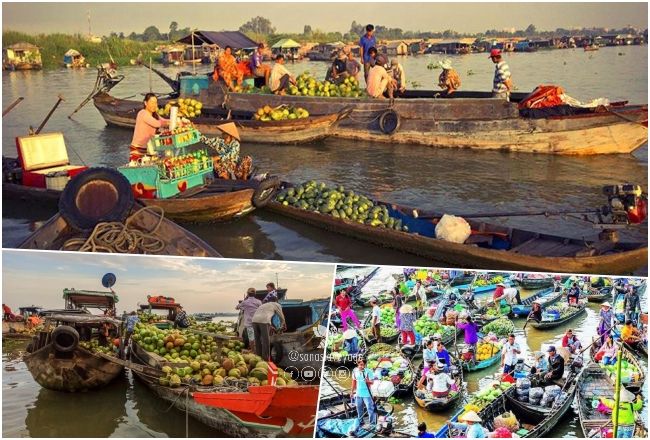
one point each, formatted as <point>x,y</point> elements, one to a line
<point>523,384</point>
<point>536,393</point>
<point>507,420</point>
<point>453,229</point>
<point>552,390</point>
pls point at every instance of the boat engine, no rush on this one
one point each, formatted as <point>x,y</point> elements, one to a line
<point>626,204</point>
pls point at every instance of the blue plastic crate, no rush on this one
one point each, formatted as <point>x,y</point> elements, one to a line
<point>191,85</point>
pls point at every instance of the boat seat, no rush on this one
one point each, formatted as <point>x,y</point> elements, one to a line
<point>42,154</point>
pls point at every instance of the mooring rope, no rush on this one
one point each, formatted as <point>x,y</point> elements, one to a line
<point>116,237</point>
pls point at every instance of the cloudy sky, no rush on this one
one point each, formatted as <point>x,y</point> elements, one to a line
<point>291,17</point>
<point>200,285</point>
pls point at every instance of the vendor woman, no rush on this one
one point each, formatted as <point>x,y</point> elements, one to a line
<point>146,124</point>
<point>227,148</point>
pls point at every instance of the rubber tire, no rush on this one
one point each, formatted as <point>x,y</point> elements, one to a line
<point>277,352</point>
<point>389,122</point>
<point>262,195</point>
<point>66,332</point>
<point>67,203</point>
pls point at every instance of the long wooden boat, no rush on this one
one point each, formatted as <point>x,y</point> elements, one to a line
<point>53,234</point>
<point>221,200</point>
<point>594,383</point>
<point>599,295</point>
<point>404,387</point>
<point>535,283</point>
<point>340,418</point>
<point>545,297</point>
<point>461,280</point>
<point>356,292</point>
<point>459,121</point>
<point>437,404</point>
<point>544,325</point>
<point>346,361</point>
<point>486,363</point>
<point>634,385</point>
<point>259,411</point>
<point>57,361</point>
<point>122,113</point>
<point>490,247</point>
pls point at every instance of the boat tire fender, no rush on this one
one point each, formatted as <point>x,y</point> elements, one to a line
<point>277,352</point>
<point>65,338</point>
<point>96,195</point>
<point>265,191</point>
<point>389,122</point>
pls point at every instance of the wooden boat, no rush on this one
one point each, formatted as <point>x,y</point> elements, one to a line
<point>599,295</point>
<point>535,283</point>
<point>221,200</point>
<point>544,325</point>
<point>54,233</point>
<point>490,247</point>
<point>367,330</point>
<point>356,292</point>
<point>593,383</point>
<point>634,385</point>
<point>404,387</point>
<point>346,361</point>
<point>259,411</point>
<point>592,48</point>
<point>22,56</point>
<point>538,425</point>
<point>437,404</point>
<point>475,366</point>
<point>341,417</point>
<point>461,280</point>
<point>58,362</point>
<point>122,113</point>
<point>545,297</point>
<point>433,118</point>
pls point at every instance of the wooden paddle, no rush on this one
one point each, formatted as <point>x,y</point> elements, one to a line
<point>12,105</point>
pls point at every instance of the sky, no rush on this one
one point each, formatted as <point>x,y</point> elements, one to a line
<point>291,17</point>
<point>200,285</point>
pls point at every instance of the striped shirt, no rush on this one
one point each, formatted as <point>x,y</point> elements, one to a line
<point>501,74</point>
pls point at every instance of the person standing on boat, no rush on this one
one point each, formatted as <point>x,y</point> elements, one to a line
<point>471,425</point>
<point>249,306</point>
<point>449,80</point>
<point>352,66</point>
<point>375,319</point>
<point>262,319</point>
<point>362,378</point>
<point>571,342</point>
<point>631,305</point>
<point>130,324</point>
<point>606,320</point>
<point>344,305</point>
<point>421,300</point>
<point>271,293</point>
<point>398,301</point>
<point>502,83</point>
<point>366,42</point>
<point>470,329</point>
<point>509,355</point>
<point>146,123</point>
<point>181,320</point>
<point>626,412</point>
<point>259,69</point>
<point>407,314</point>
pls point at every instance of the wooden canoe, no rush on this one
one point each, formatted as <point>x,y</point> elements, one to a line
<point>178,241</point>
<point>628,355</point>
<point>535,283</point>
<point>544,325</point>
<point>594,383</point>
<point>347,361</point>
<point>437,404</point>
<point>491,247</point>
<point>545,297</point>
<point>599,295</point>
<point>459,121</point>
<point>122,113</point>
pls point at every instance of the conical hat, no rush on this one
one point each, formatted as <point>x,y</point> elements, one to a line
<point>231,129</point>
<point>627,396</point>
<point>471,416</point>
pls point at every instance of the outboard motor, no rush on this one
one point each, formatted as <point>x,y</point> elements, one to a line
<point>626,204</point>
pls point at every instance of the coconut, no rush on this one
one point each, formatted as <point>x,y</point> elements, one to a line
<point>228,364</point>
<point>243,369</point>
<point>234,373</point>
<point>166,369</point>
<point>206,371</point>
<point>217,380</point>
<point>175,380</point>
<point>263,365</point>
<point>208,379</point>
<point>280,382</point>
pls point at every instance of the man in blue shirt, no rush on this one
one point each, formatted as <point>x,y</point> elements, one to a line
<point>362,378</point>
<point>367,41</point>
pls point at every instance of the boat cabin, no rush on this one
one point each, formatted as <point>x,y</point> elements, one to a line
<point>28,311</point>
<point>89,299</point>
<point>44,162</point>
<point>22,56</point>
<point>74,60</point>
<point>172,55</point>
<point>324,52</point>
<point>165,308</point>
<point>450,48</point>
<point>525,46</point>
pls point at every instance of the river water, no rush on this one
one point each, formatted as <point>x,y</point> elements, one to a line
<point>408,414</point>
<point>438,179</point>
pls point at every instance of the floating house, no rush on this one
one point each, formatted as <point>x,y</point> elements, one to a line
<point>394,48</point>
<point>22,56</point>
<point>73,59</point>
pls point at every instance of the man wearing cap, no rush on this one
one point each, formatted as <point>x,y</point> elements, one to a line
<point>407,318</point>
<point>626,417</point>
<point>248,306</point>
<point>556,365</point>
<point>509,355</point>
<point>375,319</point>
<point>338,70</point>
<point>502,83</point>
<point>399,75</point>
<point>366,42</point>
<point>280,78</point>
<point>471,424</point>
<point>449,78</point>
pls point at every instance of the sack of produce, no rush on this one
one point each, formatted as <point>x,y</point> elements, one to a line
<point>523,398</point>
<point>383,388</point>
<point>502,433</point>
<point>553,390</point>
<point>507,420</point>
<point>523,384</point>
<point>453,229</point>
<point>536,393</point>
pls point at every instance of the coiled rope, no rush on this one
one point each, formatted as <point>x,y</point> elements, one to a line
<point>122,238</point>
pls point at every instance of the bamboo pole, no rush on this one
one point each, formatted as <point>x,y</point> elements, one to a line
<point>619,362</point>
<point>150,78</point>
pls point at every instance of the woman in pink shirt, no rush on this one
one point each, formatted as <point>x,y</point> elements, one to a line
<point>146,124</point>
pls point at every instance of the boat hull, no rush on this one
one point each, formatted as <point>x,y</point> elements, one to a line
<point>215,207</point>
<point>79,370</point>
<point>552,324</point>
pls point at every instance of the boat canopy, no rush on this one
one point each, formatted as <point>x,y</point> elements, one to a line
<point>72,53</point>
<point>235,39</point>
<point>286,43</point>
<point>88,298</point>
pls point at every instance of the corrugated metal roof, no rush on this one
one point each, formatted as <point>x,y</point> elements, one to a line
<point>234,39</point>
<point>23,46</point>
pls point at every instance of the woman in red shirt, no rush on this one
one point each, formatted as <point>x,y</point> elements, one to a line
<point>344,306</point>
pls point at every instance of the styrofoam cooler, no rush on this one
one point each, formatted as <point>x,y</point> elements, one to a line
<point>57,180</point>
